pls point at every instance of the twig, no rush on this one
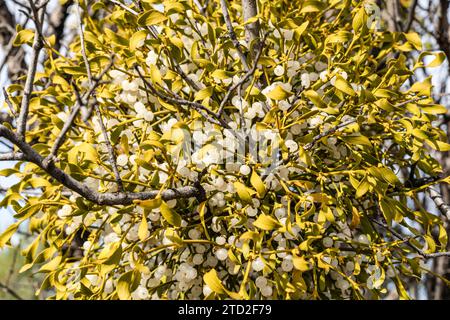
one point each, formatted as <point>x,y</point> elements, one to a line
<point>111,154</point>
<point>411,15</point>
<point>83,46</point>
<point>9,103</point>
<point>209,115</point>
<point>201,8</point>
<point>408,242</point>
<point>68,124</point>
<point>10,291</point>
<point>232,34</point>
<point>120,4</point>
<point>309,146</point>
<point>28,89</point>
<point>244,78</point>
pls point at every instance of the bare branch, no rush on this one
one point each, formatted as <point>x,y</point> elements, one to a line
<point>309,146</point>
<point>244,78</point>
<point>108,198</point>
<point>411,15</point>
<point>120,4</point>
<point>68,124</point>
<point>112,155</point>
<point>201,8</point>
<point>209,115</point>
<point>409,243</point>
<point>9,103</point>
<point>232,34</point>
<point>12,156</point>
<point>83,46</point>
<point>28,89</point>
<point>439,201</point>
<point>10,291</point>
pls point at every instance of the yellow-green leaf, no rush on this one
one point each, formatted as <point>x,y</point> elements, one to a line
<point>201,213</point>
<point>212,280</point>
<point>344,86</point>
<point>143,232</point>
<point>414,39</point>
<point>362,189</point>
<point>258,184</point>
<point>266,222</point>
<point>243,192</point>
<point>8,233</point>
<point>155,74</point>
<point>438,145</point>
<point>204,94</point>
<point>300,263</point>
<point>315,98</point>
<point>137,39</point>
<point>123,285</point>
<point>359,19</point>
<point>149,204</point>
<point>23,36</point>
<point>170,215</point>
<point>151,17</point>
<point>357,140</point>
<point>51,265</point>
<point>278,93</point>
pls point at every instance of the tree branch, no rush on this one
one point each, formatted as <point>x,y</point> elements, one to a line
<point>11,156</point>
<point>250,10</point>
<point>439,202</point>
<point>408,242</point>
<point>244,78</point>
<point>10,291</point>
<point>28,89</point>
<point>111,154</point>
<point>232,34</point>
<point>80,102</point>
<point>209,115</point>
<point>108,198</point>
<point>309,146</point>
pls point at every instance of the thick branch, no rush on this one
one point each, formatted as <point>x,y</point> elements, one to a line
<point>439,201</point>
<point>108,198</point>
<point>250,10</point>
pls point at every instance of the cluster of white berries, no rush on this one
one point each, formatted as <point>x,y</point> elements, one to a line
<point>181,266</point>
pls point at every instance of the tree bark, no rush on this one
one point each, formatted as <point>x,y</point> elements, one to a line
<point>250,9</point>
